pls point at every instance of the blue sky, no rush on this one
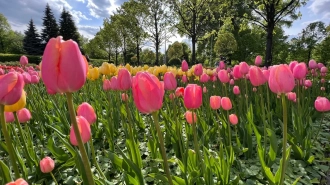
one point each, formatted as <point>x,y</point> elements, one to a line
<point>89,14</point>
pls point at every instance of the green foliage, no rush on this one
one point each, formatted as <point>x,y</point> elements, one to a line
<point>68,29</point>
<point>4,31</point>
<point>15,57</point>
<point>225,44</point>
<point>174,62</point>
<point>322,51</point>
<point>50,28</point>
<point>32,41</point>
<point>148,56</point>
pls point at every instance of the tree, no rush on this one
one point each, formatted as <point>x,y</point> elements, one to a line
<point>14,42</point>
<point>193,16</point>
<point>312,35</point>
<point>68,29</point>
<point>322,50</point>
<point>32,41</point>
<point>4,31</point>
<point>157,22</point>
<point>175,50</point>
<point>50,27</point>
<point>270,13</point>
<point>148,56</point>
<point>225,44</point>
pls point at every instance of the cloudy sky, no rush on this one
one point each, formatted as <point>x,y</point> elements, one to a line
<point>89,14</point>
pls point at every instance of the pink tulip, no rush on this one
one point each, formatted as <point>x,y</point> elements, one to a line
<point>258,60</point>
<point>213,78</point>
<point>222,65</point>
<point>204,78</point>
<point>198,71</point>
<point>324,69</point>
<point>63,67</point>
<point>124,79</point>
<point>236,90</point>
<point>170,82</point>
<point>11,88</point>
<point>106,85</point>
<point>23,60</point>
<point>179,91</point>
<point>124,97</point>
<point>215,102</point>
<point>320,65</point>
<point>281,79</point>
<point>243,68</point>
<point>2,72</point>
<point>87,111</point>
<point>47,165</point>
<point>184,79</point>
<point>312,64</point>
<point>26,77</point>
<point>266,74</point>
<point>223,76</point>
<point>24,115</point>
<point>172,96</point>
<point>84,130</point>
<point>226,103</point>
<point>192,96</point>
<point>308,83</point>
<point>292,65</point>
<point>322,88</point>
<point>322,104</point>
<point>323,80</point>
<point>300,71</point>
<point>19,181</point>
<point>204,90</point>
<point>291,96</point>
<point>9,117</point>
<point>232,82</point>
<point>233,119</point>
<point>114,83</point>
<point>190,117</point>
<point>34,79</point>
<point>257,77</point>
<point>184,66</point>
<point>148,92</point>
<point>236,72</point>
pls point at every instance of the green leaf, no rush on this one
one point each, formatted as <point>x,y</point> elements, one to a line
<point>273,144</point>
<point>5,172</point>
<point>58,152</point>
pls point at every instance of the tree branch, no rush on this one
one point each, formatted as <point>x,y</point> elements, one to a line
<point>278,14</point>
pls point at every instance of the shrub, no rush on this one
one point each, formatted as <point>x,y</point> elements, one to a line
<point>174,62</point>
<point>15,57</point>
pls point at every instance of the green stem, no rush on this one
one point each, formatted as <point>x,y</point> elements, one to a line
<point>162,147</point>
<point>112,129</point>
<point>198,158</point>
<point>94,159</point>
<point>263,119</point>
<point>79,140</point>
<point>318,131</point>
<point>285,130</point>
<point>51,173</point>
<point>8,141</point>
<point>20,130</point>
<point>178,128</point>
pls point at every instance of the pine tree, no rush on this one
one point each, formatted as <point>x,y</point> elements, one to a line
<point>68,29</point>
<point>32,41</point>
<point>50,27</point>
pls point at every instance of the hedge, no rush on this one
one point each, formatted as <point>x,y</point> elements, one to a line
<point>15,57</point>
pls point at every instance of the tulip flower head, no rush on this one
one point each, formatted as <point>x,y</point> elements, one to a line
<point>124,79</point>
<point>124,97</point>
<point>144,85</point>
<point>23,60</point>
<point>256,76</point>
<point>258,60</point>
<point>24,115</point>
<point>87,111</point>
<point>233,119</point>
<point>192,96</point>
<point>84,130</point>
<point>20,104</point>
<point>9,117</point>
<point>236,90</point>
<point>170,82</point>
<point>184,66</point>
<point>215,102</point>
<point>226,103</point>
<point>19,181</point>
<point>11,88</point>
<point>191,117</point>
<point>322,104</point>
<point>179,91</point>
<point>281,79</point>
<point>63,67</point>
<point>47,165</point>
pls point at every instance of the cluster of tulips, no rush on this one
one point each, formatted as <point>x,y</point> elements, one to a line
<point>226,104</point>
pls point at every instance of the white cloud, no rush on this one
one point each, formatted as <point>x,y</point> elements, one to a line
<point>101,8</point>
<point>320,6</point>
<point>83,1</point>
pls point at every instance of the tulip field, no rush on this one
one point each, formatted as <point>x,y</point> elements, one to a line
<point>68,122</point>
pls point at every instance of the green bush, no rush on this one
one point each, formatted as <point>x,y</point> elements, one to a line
<point>15,57</point>
<point>174,62</point>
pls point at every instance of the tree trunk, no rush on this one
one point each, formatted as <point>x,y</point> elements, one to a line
<point>109,57</point>
<point>116,62</point>
<point>193,43</point>
<point>156,39</point>
<point>138,51</point>
<point>269,45</point>
<point>124,50</point>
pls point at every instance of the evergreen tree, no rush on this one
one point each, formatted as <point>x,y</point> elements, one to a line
<point>32,41</point>
<point>68,29</point>
<point>50,27</point>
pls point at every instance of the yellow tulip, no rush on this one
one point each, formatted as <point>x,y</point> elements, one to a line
<point>18,105</point>
<point>93,73</point>
<point>105,68</point>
